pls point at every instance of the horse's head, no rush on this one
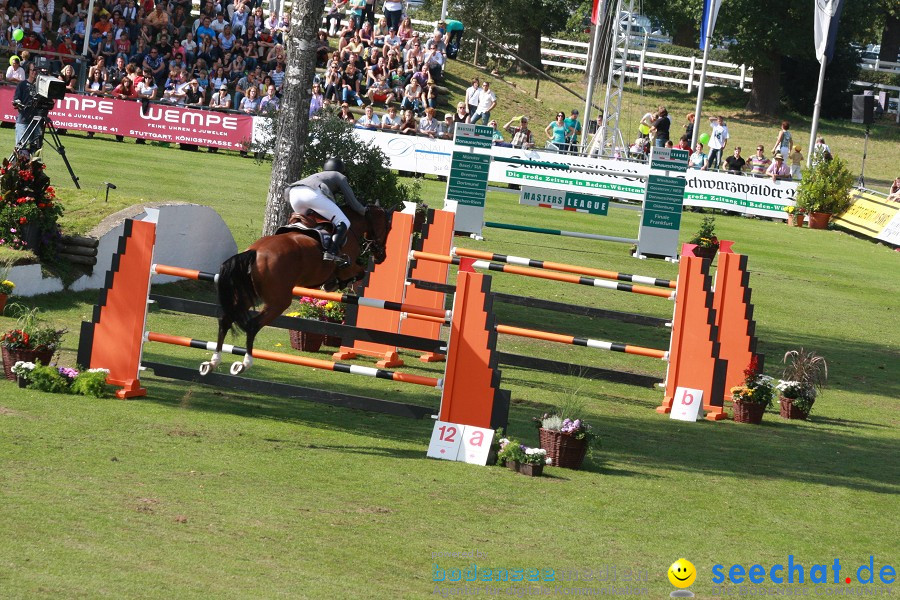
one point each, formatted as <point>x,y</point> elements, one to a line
<point>378,225</point>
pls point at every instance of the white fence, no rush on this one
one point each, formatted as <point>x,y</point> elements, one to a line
<point>643,65</point>
<point>882,66</point>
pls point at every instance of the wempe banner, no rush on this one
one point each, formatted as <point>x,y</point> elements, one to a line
<point>160,122</point>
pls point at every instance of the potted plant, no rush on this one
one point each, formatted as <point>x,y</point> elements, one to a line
<point>334,313</point>
<point>31,341</point>
<point>805,373</point>
<point>309,308</point>
<point>825,191</point>
<point>753,397</point>
<point>796,216</point>
<point>566,440</point>
<point>29,209</point>
<point>6,288</point>
<point>22,370</point>
<point>522,459</point>
<point>705,239</point>
<point>511,454</point>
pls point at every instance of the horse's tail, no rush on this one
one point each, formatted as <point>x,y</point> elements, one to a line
<point>235,286</point>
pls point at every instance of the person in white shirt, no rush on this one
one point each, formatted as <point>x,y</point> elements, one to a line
<point>391,120</point>
<point>369,120</point>
<point>15,73</point>
<point>485,102</point>
<point>718,139</point>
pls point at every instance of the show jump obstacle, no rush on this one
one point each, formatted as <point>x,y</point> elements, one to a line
<point>712,337</point>
<point>115,339</point>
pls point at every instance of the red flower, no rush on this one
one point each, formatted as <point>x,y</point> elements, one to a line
<point>41,205</point>
<point>22,220</point>
<point>26,175</point>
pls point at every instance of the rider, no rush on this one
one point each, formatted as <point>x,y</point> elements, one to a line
<point>316,193</point>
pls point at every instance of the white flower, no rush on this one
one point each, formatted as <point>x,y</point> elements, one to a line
<point>549,460</point>
<point>98,370</point>
<point>537,451</point>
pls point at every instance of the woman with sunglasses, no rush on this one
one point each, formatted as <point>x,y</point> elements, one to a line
<point>557,131</point>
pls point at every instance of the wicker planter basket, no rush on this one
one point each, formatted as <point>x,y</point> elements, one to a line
<point>11,357</point>
<point>748,412</point>
<point>563,450</point>
<point>333,340</point>
<point>789,411</point>
<point>306,342</point>
<point>709,253</point>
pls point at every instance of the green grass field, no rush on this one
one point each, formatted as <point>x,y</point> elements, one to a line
<point>195,492</point>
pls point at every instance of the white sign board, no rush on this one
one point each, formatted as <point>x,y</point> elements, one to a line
<point>686,404</point>
<point>446,439</point>
<point>476,444</point>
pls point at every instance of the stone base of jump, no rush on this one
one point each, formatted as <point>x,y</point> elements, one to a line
<point>190,235</point>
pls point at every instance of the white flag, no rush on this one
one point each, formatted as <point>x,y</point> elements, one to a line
<point>828,13</point>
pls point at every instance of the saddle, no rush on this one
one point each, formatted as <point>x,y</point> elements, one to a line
<point>312,224</point>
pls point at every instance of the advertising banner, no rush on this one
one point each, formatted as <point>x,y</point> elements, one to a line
<point>869,215</point>
<point>742,194</point>
<point>153,121</point>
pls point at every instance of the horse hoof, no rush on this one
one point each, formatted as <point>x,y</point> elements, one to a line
<point>206,368</point>
<point>237,368</point>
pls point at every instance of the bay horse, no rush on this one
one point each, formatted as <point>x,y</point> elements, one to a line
<point>270,268</point>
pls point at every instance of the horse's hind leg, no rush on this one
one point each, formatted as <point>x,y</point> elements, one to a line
<point>268,314</point>
<point>210,365</point>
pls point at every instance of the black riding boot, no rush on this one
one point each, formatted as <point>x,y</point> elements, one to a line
<point>332,252</point>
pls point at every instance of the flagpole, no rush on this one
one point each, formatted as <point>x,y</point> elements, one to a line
<point>814,128</point>
<point>709,28</point>
<point>592,75</point>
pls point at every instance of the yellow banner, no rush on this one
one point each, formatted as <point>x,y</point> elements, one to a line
<point>868,215</point>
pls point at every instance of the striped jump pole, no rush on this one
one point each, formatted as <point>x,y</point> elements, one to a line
<point>554,266</point>
<point>313,293</point>
<point>575,234</point>
<point>565,277</point>
<point>579,341</point>
<point>326,365</point>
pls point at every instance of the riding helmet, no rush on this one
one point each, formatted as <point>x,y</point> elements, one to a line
<point>334,164</point>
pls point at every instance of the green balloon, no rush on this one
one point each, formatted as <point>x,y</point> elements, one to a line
<point>18,34</point>
<point>704,138</point>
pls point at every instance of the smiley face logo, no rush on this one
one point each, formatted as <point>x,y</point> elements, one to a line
<point>682,573</point>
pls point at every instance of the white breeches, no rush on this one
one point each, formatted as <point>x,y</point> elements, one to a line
<point>302,199</point>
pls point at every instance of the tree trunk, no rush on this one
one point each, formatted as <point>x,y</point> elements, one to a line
<point>890,39</point>
<point>293,117</point>
<point>686,35</point>
<point>765,96</point>
<point>529,48</point>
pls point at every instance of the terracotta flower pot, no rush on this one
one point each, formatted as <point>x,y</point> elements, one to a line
<point>789,411</point>
<point>748,412</point>
<point>796,219</point>
<point>3,299</point>
<point>818,220</point>
<point>709,253</point>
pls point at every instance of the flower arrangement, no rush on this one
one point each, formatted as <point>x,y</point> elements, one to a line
<point>7,286</point>
<point>23,368</point>
<point>792,210</point>
<point>706,235</point>
<point>29,210</point>
<point>756,389</point>
<point>334,311</point>
<point>577,428</point>
<point>511,451</point>
<point>805,373</point>
<point>63,380</point>
<point>309,308</point>
<point>31,333</point>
